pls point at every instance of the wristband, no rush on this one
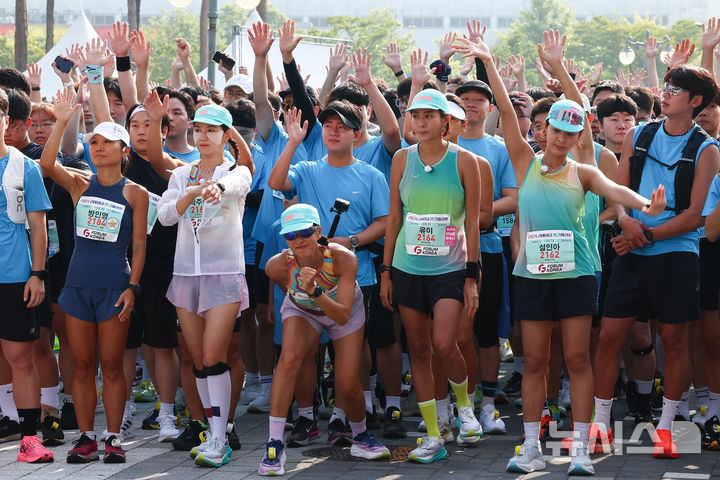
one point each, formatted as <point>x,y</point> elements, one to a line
<point>442,70</point>
<point>122,64</point>
<point>472,270</point>
<point>399,73</point>
<point>94,73</point>
<point>69,84</point>
<point>35,89</point>
<point>620,219</point>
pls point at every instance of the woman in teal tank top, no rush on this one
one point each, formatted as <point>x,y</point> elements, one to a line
<point>431,246</point>
<point>555,273</point>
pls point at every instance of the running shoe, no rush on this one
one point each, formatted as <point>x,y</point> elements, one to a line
<point>233,438</point>
<point>339,433</point>
<point>145,392</point>
<point>643,408</point>
<point>261,403</point>
<point>167,432</point>
<point>664,446</point>
<point>304,431</point>
<point>428,450</point>
<point>215,454</point>
<point>371,420</point>
<point>506,353</point>
<point>513,385</point>
<point>470,428</point>
<point>446,432</point>
<point>711,434</point>
<point>700,417</point>
<point>365,446</point>
<point>580,463</point>
<point>126,429</point>
<point>113,451</point>
<point>490,421</point>
<point>250,391</point>
<point>150,422</point>
<point>85,450</point>
<point>9,430</point>
<point>528,458</point>
<point>393,427</point>
<point>205,438</point>
<point>274,461</point>
<point>32,451</point>
<point>501,397</point>
<point>68,420</point>
<point>601,439</point>
<point>52,432</point>
<point>190,437</point>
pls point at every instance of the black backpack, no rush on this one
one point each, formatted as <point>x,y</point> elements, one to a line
<point>684,167</point>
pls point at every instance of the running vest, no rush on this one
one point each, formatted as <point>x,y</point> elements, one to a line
<point>432,239</point>
<point>552,236</point>
<point>326,279</point>
<point>13,184</point>
<point>684,167</point>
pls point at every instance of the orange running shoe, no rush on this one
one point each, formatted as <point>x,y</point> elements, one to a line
<point>32,451</point>
<point>664,446</point>
<point>601,441</point>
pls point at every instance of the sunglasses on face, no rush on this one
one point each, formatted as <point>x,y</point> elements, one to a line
<point>672,89</point>
<point>304,233</point>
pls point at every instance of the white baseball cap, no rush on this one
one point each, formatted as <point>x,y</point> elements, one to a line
<point>110,130</point>
<point>240,80</point>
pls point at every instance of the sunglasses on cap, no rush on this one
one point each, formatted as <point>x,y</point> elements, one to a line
<point>287,104</point>
<point>304,233</point>
<point>672,89</point>
<point>567,116</point>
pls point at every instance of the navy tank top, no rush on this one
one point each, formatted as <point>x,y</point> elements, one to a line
<point>103,230</point>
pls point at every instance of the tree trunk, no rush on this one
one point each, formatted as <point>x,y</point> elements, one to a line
<point>49,24</point>
<point>133,14</point>
<point>204,26</point>
<point>262,10</point>
<point>21,35</point>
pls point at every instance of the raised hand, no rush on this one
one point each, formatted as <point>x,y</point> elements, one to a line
<point>109,66</point>
<point>204,83</point>
<point>651,47</point>
<point>623,79</point>
<point>96,53</point>
<point>711,33</point>
<point>476,31</point>
<point>393,57</point>
<point>177,65</point>
<point>79,59</point>
<point>156,109</point>
<point>288,40</point>
<point>446,44</point>
<point>260,38</point>
<point>639,77</point>
<point>296,128</point>
<point>596,73</point>
<point>467,66</point>
<point>517,65</point>
<point>282,82</point>
<point>553,49</point>
<point>140,49</point>
<point>64,77</point>
<point>119,39</point>
<point>64,106</point>
<point>682,53</point>
<point>338,57</point>
<point>419,67</point>
<point>546,77</point>
<point>34,74</point>
<point>571,67</point>
<point>183,49</point>
<point>553,85</point>
<point>361,62</point>
<point>468,48</point>
<point>506,77</point>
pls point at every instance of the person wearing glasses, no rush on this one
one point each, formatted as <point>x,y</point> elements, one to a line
<point>555,278</point>
<point>321,293</point>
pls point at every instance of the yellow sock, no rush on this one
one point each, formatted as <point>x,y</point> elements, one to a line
<point>461,393</point>
<point>429,414</point>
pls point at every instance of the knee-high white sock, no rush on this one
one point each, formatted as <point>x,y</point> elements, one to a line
<point>7,402</point>
<point>202,388</point>
<point>219,388</point>
<point>50,396</point>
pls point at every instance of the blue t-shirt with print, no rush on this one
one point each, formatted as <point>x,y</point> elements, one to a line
<point>15,253</point>
<point>364,186</point>
<point>495,152</point>
<point>667,149</point>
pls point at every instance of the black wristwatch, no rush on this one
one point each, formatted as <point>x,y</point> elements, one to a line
<point>649,235</point>
<point>354,241</point>
<point>317,292</point>
<point>135,288</point>
<point>221,186</point>
<point>384,268</point>
<point>41,274</point>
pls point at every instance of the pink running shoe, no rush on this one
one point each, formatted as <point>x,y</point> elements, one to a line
<point>32,451</point>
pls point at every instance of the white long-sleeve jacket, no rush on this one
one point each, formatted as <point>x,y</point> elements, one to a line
<point>210,237</point>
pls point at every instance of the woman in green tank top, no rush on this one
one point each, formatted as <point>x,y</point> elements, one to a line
<point>555,276</point>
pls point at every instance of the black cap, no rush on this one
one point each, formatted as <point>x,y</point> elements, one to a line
<point>477,85</point>
<point>312,93</point>
<point>346,114</point>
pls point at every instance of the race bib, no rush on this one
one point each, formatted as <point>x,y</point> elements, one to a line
<point>98,219</point>
<point>195,211</point>
<point>505,224</point>
<point>429,235</point>
<point>152,211</point>
<point>278,194</point>
<point>53,239</point>
<point>550,251</point>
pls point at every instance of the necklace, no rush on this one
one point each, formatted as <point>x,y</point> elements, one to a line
<point>204,169</point>
<point>544,169</point>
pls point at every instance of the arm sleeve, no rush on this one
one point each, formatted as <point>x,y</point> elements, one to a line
<point>300,95</point>
<point>481,71</point>
<point>167,211</point>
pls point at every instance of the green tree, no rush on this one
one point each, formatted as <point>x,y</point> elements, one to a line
<point>374,32</point>
<point>231,14</point>
<point>162,32</point>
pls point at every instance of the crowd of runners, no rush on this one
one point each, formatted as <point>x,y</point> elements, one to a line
<point>330,252</point>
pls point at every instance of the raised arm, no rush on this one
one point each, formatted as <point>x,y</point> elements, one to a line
<point>161,162</point>
<point>651,52</point>
<point>709,40</point>
<point>183,51</point>
<point>141,51</point>
<point>288,42</point>
<point>420,76</point>
<point>120,43</point>
<point>261,39</point>
<point>338,59</point>
<point>384,114</point>
<point>35,79</point>
<point>393,60</point>
<point>95,57</point>
<point>517,66</point>
<point>296,129</point>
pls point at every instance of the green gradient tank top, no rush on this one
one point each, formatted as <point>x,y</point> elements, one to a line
<point>552,236</point>
<point>432,238</point>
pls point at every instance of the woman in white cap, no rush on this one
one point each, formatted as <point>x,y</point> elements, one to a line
<point>99,293</point>
<point>206,200</point>
<point>322,293</point>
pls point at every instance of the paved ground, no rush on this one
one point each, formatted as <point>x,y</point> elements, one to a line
<point>148,459</point>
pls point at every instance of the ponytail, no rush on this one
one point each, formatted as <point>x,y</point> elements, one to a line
<point>235,149</point>
<point>323,241</point>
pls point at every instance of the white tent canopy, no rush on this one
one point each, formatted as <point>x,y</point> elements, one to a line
<point>81,31</point>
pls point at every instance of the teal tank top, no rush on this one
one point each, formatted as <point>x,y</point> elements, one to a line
<point>552,236</point>
<point>432,238</point>
<point>591,220</point>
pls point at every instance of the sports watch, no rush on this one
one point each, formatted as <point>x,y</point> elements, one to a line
<point>354,241</point>
<point>317,292</point>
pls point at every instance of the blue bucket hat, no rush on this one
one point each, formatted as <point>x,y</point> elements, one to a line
<point>299,217</point>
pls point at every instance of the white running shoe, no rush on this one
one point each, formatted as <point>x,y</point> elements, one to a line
<point>261,403</point>
<point>528,458</point>
<point>470,428</point>
<point>126,431</point>
<point>580,463</point>
<point>446,432</point>
<point>429,449</point>
<point>490,420</point>
<point>166,428</point>
<point>506,353</point>
<point>215,454</point>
